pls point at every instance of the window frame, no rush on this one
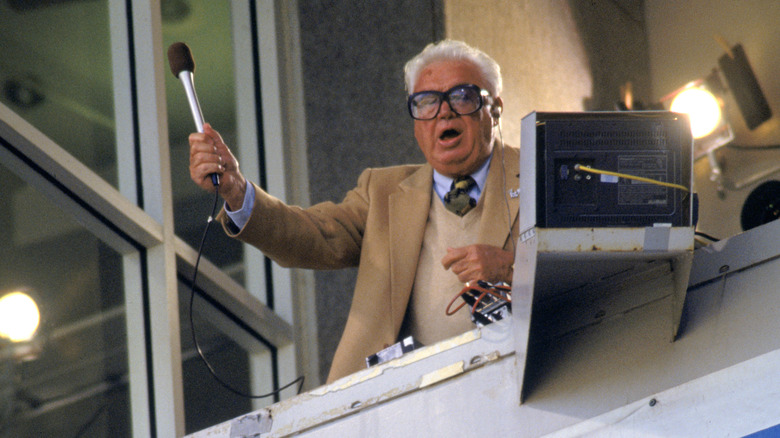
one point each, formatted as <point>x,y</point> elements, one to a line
<point>136,219</point>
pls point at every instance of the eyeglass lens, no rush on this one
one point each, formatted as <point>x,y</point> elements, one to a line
<point>463,100</point>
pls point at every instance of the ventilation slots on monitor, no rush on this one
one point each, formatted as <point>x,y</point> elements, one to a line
<point>654,145</point>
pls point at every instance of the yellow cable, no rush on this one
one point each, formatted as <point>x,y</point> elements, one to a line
<point>623,175</point>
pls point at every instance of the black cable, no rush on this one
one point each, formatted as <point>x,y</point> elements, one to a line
<point>192,324</point>
<point>706,236</point>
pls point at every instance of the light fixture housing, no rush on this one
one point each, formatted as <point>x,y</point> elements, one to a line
<point>744,86</point>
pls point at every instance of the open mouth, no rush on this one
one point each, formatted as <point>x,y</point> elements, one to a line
<point>449,134</point>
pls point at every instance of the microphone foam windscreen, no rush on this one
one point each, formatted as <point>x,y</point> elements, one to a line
<point>180,59</point>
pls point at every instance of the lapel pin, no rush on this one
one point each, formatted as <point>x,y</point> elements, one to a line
<point>514,193</point>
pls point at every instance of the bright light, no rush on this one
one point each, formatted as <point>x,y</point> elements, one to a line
<point>702,108</point>
<point>19,317</point>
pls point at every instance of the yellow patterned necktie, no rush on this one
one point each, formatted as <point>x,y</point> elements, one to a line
<point>457,200</point>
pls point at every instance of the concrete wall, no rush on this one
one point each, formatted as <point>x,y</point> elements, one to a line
<point>556,55</point>
<point>356,117</point>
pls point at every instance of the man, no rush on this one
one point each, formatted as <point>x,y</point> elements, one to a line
<point>413,254</point>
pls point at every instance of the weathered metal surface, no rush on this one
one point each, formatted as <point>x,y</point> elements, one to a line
<point>599,362</point>
<point>419,369</point>
<point>607,240</point>
<point>736,401</point>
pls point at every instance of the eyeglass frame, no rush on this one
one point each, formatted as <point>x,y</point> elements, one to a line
<point>483,94</point>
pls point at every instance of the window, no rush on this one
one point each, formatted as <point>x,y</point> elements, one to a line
<point>76,365</point>
<point>55,72</point>
<point>102,221</point>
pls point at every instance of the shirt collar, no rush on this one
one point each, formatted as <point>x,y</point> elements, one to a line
<point>442,184</point>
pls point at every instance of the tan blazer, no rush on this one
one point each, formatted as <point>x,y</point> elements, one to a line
<point>379,227</point>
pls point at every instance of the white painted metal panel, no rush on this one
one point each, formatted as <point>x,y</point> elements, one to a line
<point>720,377</point>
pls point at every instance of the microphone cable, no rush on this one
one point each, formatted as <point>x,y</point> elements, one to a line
<point>211,369</point>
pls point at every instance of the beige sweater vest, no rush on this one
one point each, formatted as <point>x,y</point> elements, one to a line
<point>434,288</point>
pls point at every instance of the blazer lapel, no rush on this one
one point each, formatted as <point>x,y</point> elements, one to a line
<point>409,207</point>
<point>501,197</point>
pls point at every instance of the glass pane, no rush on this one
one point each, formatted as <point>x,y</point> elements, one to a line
<point>55,72</point>
<point>239,359</point>
<point>205,26</point>
<point>71,379</point>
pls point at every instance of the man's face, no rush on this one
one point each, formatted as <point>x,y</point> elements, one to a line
<point>453,144</point>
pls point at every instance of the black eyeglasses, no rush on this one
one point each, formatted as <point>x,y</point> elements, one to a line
<point>463,99</point>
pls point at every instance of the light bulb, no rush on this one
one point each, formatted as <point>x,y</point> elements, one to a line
<point>19,317</point>
<point>702,108</point>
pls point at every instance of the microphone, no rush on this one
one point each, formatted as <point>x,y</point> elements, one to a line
<point>183,67</point>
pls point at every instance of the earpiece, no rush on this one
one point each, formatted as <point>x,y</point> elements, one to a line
<point>495,111</point>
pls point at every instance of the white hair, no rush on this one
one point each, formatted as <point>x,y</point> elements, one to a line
<point>451,50</point>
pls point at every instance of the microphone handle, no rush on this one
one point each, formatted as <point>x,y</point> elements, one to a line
<point>197,115</point>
